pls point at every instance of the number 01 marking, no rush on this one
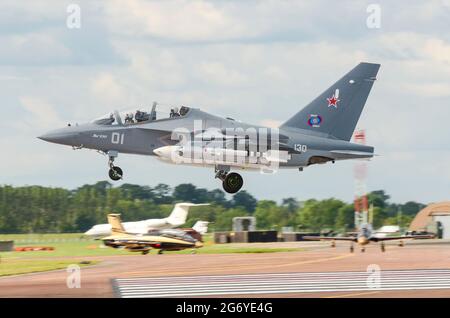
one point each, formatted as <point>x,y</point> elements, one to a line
<point>117,138</point>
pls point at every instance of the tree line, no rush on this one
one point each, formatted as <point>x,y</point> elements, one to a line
<point>37,209</point>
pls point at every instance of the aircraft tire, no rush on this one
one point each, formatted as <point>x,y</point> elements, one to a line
<point>233,182</point>
<point>115,173</point>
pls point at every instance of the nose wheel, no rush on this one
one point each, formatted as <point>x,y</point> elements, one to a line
<point>115,173</point>
<point>231,182</point>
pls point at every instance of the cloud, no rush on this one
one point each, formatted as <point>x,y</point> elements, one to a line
<point>107,89</point>
<point>42,113</point>
<point>256,61</point>
<point>220,74</point>
<point>177,20</point>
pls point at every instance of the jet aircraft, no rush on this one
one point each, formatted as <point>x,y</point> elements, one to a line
<point>176,218</point>
<point>317,134</point>
<point>164,240</point>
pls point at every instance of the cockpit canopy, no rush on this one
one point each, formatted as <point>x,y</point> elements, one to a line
<point>142,115</point>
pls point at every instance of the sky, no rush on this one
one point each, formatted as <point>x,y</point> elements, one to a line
<point>256,61</point>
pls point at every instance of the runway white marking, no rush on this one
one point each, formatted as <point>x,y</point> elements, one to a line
<point>253,284</point>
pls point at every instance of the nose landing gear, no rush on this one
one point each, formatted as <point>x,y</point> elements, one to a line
<point>115,173</point>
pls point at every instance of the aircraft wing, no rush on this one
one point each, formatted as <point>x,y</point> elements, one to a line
<point>330,238</point>
<point>392,238</point>
<point>353,154</point>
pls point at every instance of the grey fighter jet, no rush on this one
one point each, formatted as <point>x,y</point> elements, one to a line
<point>318,133</point>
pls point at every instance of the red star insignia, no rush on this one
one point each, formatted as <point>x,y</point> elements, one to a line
<point>332,101</point>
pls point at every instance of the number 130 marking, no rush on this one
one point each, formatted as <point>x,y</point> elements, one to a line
<point>117,138</point>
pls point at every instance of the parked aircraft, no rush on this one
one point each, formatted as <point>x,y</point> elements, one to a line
<point>175,219</point>
<point>163,240</point>
<point>364,236</point>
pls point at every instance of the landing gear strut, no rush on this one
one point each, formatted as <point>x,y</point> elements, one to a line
<point>352,249</point>
<point>115,173</point>
<point>231,182</point>
<point>383,248</point>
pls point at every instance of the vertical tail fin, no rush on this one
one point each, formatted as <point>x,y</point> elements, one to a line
<point>180,212</point>
<point>201,227</point>
<point>336,111</point>
<point>116,224</point>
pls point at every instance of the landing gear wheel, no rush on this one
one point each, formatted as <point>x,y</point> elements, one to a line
<point>144,252</point>
<point>383,248</point>
<point>115,173</point>
<point>363,250</point>
<point>160,252</point>
<point>233,182</point>
<point>352,249</point>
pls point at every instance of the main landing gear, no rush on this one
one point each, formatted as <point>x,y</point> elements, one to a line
<point>383,248</point>
<point>231,182</point>
<point>115,173</point>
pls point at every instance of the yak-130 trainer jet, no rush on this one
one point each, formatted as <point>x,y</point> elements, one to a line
<point>317,134</point>
<point>364,236</point>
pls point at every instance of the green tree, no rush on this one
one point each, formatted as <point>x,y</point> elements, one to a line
<point>245,200</point>
<point>318,215</point>
<point>345,219</point>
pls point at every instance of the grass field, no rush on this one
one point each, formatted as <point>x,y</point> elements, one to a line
<point>25,266</point>
<point>71,248</point>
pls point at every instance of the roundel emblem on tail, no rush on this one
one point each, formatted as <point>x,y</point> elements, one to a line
<point>314,120</point>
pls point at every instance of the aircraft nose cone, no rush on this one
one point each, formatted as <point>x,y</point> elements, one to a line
<point>59,136</point>
<point>362,240</point>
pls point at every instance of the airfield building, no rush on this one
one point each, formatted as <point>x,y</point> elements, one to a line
<point>435,218</point>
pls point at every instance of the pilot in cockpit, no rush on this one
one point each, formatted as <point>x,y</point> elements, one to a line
<point>174,112</point>
<point>110,120</point>
<point>129,118</point>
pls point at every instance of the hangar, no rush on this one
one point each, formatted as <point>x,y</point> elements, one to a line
<point>434,218</point>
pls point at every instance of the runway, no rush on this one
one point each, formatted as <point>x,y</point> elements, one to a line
<point>198,286</point>
<point>419,270</point>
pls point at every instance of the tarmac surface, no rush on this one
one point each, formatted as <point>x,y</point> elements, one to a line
<point>421,269</point>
